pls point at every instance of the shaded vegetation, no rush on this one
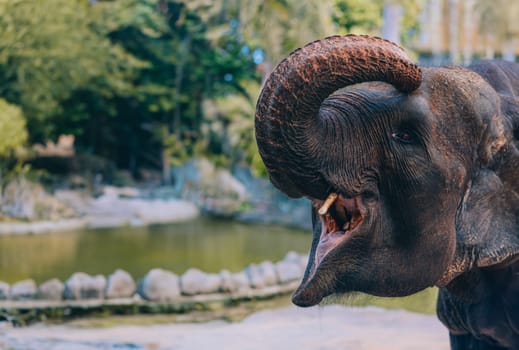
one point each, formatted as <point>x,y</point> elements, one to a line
<point>127,78</point>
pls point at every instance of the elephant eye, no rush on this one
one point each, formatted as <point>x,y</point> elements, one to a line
<point>404,136</point>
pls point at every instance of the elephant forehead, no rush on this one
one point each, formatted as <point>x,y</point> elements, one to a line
<point>356,122</point>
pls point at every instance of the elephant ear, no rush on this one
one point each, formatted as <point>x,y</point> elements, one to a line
<point>487,233</point>
<point>487,227</point>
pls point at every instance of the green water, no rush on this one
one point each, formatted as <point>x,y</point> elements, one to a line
<point>210,245</point>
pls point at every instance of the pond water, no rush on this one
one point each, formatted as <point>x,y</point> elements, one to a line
<point>210,245</point>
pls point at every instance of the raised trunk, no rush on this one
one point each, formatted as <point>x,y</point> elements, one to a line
<point>289,133</point>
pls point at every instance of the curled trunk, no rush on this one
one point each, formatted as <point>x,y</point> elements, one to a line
<point>289,131</point>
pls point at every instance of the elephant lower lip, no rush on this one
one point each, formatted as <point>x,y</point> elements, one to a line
<point>306,297</point>
<point>345,213</point>
<point>315,287</point>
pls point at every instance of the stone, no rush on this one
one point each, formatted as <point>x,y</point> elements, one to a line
<point>160,285</point>
<point>215,191</point>
<point>23,290</point>
<point>241,281</point>
<point>51,290</point>
<point>303,261</point>
<point>227,285</point>
<point>120,284</point>
<point>268,270</point>
<point>212,284</point>
<point>261,275</point>
<point>233,282</point>
<point>256,276</point>
<point>268,205</point>
<point>24,199</point>
<point>194,281</point>
<point>292,256</point>
<point>296,258</point>
<point>288,271</point>
<point>84,286</point>
<point>4,290</point>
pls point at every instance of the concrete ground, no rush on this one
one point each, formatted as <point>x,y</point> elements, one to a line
<point>323,328</point>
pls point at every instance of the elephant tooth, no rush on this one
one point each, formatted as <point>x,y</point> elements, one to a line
<point>346,226</point>
<point>327,204</point>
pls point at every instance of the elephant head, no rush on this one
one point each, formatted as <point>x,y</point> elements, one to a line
<point>403,166</point>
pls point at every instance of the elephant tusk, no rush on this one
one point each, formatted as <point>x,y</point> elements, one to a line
<point>327,203</point>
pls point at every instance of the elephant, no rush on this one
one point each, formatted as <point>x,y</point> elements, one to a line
<point>412,174</point>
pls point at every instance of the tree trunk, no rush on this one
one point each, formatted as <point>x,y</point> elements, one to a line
<point>391,16</point>
<point>468,29</point>
<point>436,32</point>
<point>509,46</point>
<point>489,47</point>
<point>183,52</point>
<point>454,49</point>
<point>166,163</point>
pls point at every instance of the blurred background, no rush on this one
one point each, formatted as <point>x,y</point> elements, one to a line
<point>126,126</point>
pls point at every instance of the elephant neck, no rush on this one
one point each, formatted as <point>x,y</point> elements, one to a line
<point>478,284</point>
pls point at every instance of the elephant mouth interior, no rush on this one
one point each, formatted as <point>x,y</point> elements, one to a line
<point>340,217</point>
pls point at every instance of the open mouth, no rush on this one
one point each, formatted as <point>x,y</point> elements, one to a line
<point>340,216</point>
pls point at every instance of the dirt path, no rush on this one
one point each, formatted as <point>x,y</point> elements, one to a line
<point>328,327</point>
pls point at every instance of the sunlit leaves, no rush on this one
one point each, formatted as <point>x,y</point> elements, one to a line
<point>365,16</point>
<point>358,15</point>
<point>13,133</point>
<point>49,49</point>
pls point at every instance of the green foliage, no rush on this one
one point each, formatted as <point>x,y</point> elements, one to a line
<point>177,151</point>
<point>358,15</point>
<point>188,64</point>
<point>280,26</point>
<point>410,25</point>
<point>13,133</point>
<point>365,16</point>
<point>230,126</point>
<point>49,49</point>
<point>116,74</point>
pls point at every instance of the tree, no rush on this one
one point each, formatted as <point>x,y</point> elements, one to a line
<point>126,77</point>
<point>13,133</point>
<point>498,21</point>
<point>395,20</point>
<point>358,16</point>
<point>454,50</point>
<point>277,27</point>
<point>161,117</point>
<point>48,50</point>
<point>468,30</point>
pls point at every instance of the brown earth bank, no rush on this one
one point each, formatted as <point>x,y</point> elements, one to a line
<point>324,327</point>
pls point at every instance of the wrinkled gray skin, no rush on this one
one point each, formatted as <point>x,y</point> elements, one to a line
<point>425,162</point>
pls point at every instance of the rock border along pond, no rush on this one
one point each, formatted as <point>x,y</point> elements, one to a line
<point>159,291</point>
